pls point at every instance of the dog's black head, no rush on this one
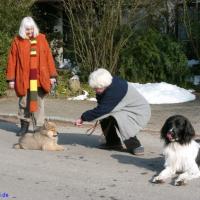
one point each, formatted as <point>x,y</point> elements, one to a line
<point>177,128</point>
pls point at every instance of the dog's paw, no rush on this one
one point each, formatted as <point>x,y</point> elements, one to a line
<point>180,182</point>
<point>60,148</point>
<point>157,180</point>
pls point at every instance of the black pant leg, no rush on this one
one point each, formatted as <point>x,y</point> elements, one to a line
<point>108,126</point>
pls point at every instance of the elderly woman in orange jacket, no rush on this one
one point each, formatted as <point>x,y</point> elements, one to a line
<point>31,72</point>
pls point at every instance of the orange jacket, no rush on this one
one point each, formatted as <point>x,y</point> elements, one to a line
<point>18,67</point>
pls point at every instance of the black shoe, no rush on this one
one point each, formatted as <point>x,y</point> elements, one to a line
<point>117,147</point>
<point>24,128</point>
<point>134,146</point>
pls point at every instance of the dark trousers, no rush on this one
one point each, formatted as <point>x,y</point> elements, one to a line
<point>109,126</point>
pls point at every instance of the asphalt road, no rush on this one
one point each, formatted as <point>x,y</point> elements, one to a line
<point>83,171</point>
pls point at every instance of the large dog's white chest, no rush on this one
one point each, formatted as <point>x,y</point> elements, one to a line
<point>180,157</point>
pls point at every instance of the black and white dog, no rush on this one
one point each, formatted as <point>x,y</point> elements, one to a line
<point>181,151</point>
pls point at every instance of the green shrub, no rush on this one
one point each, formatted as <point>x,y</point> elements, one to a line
<point>5,43</point>
<point>62,88</point>
<point>153,57</point>
<point>3,85</point>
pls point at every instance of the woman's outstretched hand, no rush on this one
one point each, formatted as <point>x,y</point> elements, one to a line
<point>78,122</point>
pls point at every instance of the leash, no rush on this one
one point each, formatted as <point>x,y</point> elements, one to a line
<point>92,129</point>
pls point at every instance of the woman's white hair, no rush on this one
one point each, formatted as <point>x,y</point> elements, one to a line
<point>100,78</point>
<point>28,22</point>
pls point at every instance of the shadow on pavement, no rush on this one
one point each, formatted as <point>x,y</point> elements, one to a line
<point>8,126</point>
<point>80,139</point>
<point>154,164</point>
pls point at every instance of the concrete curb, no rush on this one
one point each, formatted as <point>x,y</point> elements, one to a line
<point>12,117</point>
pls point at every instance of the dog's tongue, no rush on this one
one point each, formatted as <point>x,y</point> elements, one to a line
<point>169,136</point>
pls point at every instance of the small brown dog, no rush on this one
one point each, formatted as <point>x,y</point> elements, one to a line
<point>45,139</point>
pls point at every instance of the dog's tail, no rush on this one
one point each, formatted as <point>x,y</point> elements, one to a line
<point>17,146</point>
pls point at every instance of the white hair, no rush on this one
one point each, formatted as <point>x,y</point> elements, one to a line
<point>28,22</point>
<point>100,78</point>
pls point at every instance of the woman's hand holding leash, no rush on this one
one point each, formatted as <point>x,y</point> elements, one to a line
<point>78,122</point>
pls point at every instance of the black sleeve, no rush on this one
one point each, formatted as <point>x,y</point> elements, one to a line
<point>108,100</point>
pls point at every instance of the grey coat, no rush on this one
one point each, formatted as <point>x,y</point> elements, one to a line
<point>132,113</point>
